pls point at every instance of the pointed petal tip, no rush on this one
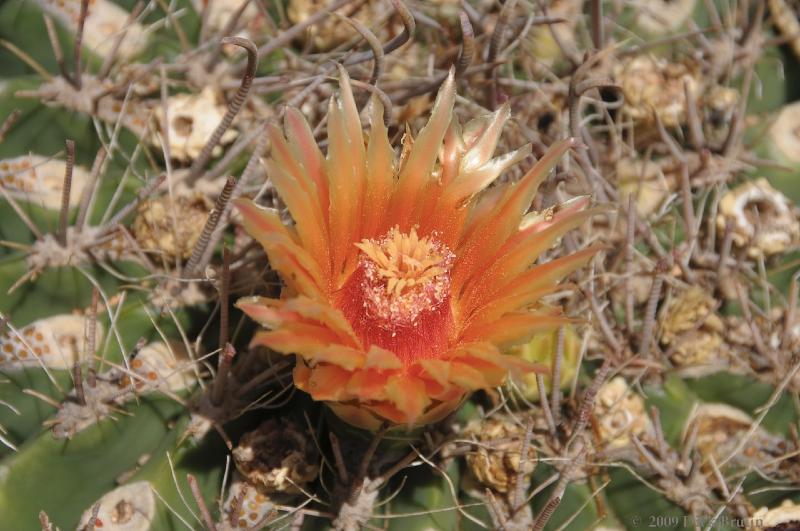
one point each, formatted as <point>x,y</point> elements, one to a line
<point>344,76</point>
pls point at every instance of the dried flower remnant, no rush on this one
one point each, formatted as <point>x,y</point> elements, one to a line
<point>40,180</point>
<point>763,219</point>
<point>650,85</point>
<point>620,414</point>
<point>331,32</point>
<point>784,517</point>
<point>694,331</point>
<point>278,457</point>
<point>105,20</point>
<point>192,120</point>
<point>783,137</point>
<point>495,460</point>
<point>127,508</point>
<point>786,18</point>
<point>402,290</point>
<point>170,228</point>
<point>719,104</point>
<point>720,431</point>
<point>56,342</point>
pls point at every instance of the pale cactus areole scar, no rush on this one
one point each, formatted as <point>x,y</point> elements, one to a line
<point>406,280</point>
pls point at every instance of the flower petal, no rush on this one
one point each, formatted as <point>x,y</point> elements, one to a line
<point>407,393</point>
<point>326,382</point>
<point>380,169</point>
<point>513,328</point>
<point>305,148</point>
<point>380,358</point>
<point>414,175</point>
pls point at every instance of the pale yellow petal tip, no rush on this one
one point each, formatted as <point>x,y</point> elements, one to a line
<point>448,88</point>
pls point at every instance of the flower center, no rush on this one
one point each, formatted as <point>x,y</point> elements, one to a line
<point>404,276</point>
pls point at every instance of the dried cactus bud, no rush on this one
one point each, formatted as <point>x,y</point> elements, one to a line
<point>331,32</point>
<point>784,517</point>
<point>104,21</point>
<point>655,85</point>
<point>40,180</point>
<point>126,508</point>
<point>245,508</point>
<point>542,348</point>
<point>620,413</point>
<point>763,219</point>
<point>496,460</point>
<point>192,120</point>
<point>692,328</point>
<point>718,105</point>
<point>56,342</point>
<point>783,137</point>
<point>722,428</point>
<point>277,457</point>
<point>786,18</point>
<point>170,228</point>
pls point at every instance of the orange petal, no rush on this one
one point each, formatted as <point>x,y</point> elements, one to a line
<point>407,393</point>
<point>313,343</point>
<point>297,267</point>
<point>305,210</point>
<point>496,227</point>
<point>322,312</point>
<point>513,328</point>
<point>306,150</point>
<point>345,191</point>
<point>436,369</point>
<point>467,377</point>
<point>380,169</point>
<point>527,288</point>
<point>416,173</point>
<point>327,382</point>
<point>368,385</point>
<point>345,357</point>
<point>519,252</point>
<point>265,311</point>
<point>489,353</point>
<point>379,358</point>
<point>494,309</point>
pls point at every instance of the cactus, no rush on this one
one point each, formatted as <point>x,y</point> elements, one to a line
<point>176,176</point>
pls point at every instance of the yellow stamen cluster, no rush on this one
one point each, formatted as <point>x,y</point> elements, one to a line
<point>404,275</point>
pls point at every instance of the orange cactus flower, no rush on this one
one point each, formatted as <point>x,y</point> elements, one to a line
<point>404,283</point>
